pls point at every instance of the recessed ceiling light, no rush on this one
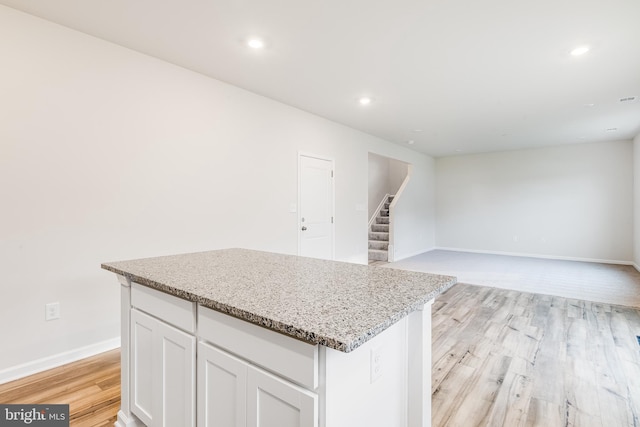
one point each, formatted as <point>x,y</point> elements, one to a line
<point>417,130</point>
<point>590,105</point>
<point>612,129</point>
<point>255,43</point>
<point>364,100</point>
<point>580,50</point>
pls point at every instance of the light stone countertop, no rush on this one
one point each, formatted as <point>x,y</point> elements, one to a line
<point>335,304</point>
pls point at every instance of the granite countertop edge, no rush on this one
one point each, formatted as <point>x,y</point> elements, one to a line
<point>280,327</point>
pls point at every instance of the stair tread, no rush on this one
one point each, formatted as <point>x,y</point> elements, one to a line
<point>378,255</point>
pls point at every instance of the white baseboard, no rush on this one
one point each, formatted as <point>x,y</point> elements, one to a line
<point>127,421</point>
<point>636,266</point>
<point>49,362</point>
<point>564,258</point>
<point>409,255</point>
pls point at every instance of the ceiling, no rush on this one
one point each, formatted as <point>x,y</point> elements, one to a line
<point>454,76</point>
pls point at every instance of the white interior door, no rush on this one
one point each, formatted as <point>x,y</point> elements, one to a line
<point>315,218</point>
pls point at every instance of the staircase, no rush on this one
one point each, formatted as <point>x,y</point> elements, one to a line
<point>379,234</point>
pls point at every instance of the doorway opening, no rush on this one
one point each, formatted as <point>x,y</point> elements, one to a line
<point>387,178</point>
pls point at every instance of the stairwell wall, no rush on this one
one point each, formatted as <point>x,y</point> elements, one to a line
<point>108,154</point>
<point>397,173</point>
<point>411,211</point>
<point>378,173</point>
<point>385,177</point>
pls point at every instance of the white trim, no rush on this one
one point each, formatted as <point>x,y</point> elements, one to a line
<point>127,421</point>
<point>636,266</point>
<point>564,258</point>
<point>333,199</point>
<point>124,415</point>
<point>391,257</point>
<point>50,362</point>
<point>419,367</point>
<point>418,252</point>
<point>378,209</point>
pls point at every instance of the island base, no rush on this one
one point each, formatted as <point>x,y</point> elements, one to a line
<point>187,365</point>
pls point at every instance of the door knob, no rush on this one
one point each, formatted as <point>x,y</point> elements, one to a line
<point>304,228</point>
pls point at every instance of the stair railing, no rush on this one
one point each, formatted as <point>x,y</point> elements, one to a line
<point>378,209</point>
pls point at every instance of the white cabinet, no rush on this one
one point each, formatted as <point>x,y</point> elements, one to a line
<point>144,330</point>
<point>162,369</point>
<point>222,391</point>
<point>233,393</point>
<point>250,376</point>
<point>274,402</point>
<point>176,396</point>
<point>162,372</point>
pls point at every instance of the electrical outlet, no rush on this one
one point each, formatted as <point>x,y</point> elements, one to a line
<point>52,311</point>
<point>376,364</point>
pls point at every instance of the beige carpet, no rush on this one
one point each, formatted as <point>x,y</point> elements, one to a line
<point>607,283</point>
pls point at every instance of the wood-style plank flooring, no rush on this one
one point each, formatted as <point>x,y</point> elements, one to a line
<point>90,386</point>
<point>509,358</point>
<point>500,358</point>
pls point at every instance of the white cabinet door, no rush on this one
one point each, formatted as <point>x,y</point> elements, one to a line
<point>162,373</point>
<point>222,387</point>
<point>143,330</point>
<point>273,402</point>
<point>178,370</point>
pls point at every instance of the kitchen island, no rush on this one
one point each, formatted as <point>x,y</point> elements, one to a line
<point>237,337</point>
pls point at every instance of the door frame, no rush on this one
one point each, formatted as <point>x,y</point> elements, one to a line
<point>333,199</point>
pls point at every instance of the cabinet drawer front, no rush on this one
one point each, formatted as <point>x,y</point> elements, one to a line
<point>173,310</point>
<point>285,356</point>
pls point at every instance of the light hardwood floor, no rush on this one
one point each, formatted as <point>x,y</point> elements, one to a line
<point>508,358</point>
<point>90,386</point>
<point>500,358</point>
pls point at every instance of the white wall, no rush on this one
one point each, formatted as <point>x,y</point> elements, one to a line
<point>411,211</point>
<point>636,200</point>
<point>385,177</point>
<point>571,201</point>
<point>107,154</point>
<point>397,173</point>
<point>378,181</point>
